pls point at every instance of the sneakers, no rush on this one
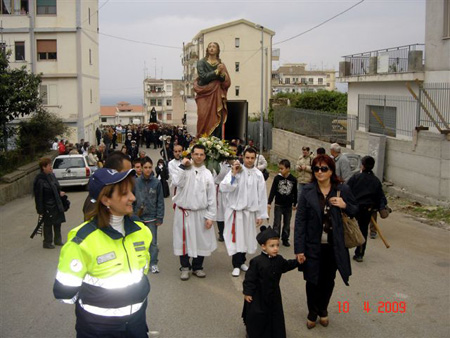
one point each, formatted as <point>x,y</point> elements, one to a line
<point>155,269</point>
<point>286,243</point>
<point>199,273</point>
<point>359,259</point>
<point>184,274</point>
<point>244,267</point>
<point>236,272</point>
<point>48,246</point>
<point>373,234</point>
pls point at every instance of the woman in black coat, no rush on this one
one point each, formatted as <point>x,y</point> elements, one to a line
<point>47,193</point>
<point>162,174</point>
<point>319,236</point>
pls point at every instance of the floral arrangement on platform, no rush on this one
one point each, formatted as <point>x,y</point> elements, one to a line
<point>217,151</point>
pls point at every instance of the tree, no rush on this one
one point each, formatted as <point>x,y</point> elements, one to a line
<point>323,100</point>
<point>19,96</point>
<point>36,134</point>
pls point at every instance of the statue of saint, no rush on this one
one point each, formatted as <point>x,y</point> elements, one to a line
<point>211,88</point>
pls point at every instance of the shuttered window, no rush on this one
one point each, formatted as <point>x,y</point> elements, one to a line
<point>46,50</point>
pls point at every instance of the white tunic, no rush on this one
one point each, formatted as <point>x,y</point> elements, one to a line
<point>195,202</point>
<point>245,200</point>
<point>224,169</point>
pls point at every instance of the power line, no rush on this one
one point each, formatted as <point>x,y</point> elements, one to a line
<point>136,41</point>
<point>320,24</point>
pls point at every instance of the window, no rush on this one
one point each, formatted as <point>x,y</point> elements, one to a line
<point>89,15</point>
<point>446,19</point>
<point>159,102</point>
<point>383,120</point>
<point>237,42</point>
<point>295,80</point>
<point>236,89</point>
<point>328,76</point>
<point>328,84</point>
<point>45,7</point>
<point>103,119</point>
<point>169,87</point>
<point>160,116</point>
<point>320,81</point>
<point>303,80</point>
<point>168,102</point>
<point>153,102</point>
<point>169,116</point>
<point>90,56</point>
<point>19,50</point>
<point>15,7</point>
<point>48,94</point>
<point>2,47</point>
<point>46,50</point>
<point>287,80</point>
<point>310,80</point>
<point>90,94</point>
<point>236,67</point>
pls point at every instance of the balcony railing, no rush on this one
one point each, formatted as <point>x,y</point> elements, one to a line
<point>409,58</point>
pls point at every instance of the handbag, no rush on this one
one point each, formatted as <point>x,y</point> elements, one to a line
<point>65,202</point>
<point>352,234</point>
<point>265,173</point>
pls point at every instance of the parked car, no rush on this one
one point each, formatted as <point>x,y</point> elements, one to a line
<point>72,170</point>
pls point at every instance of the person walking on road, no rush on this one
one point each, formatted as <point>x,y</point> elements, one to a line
<point>368,191</point>
<point>47,193</point>
<point>245,205</point>
<point>102,267</point>
<point>319,236</point>
<point>149,206</point>
<point>195,211</point>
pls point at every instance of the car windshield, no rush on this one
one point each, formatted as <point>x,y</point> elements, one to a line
<point>66,163</point>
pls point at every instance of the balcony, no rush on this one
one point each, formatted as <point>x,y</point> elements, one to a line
<point>389,61</point>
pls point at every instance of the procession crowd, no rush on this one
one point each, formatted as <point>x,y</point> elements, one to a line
<point>103,265</point>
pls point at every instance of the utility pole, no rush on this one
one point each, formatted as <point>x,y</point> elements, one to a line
<point>261,126</point>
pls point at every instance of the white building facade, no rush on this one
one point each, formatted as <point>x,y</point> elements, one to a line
<point>166,98</point>
<point>60,40</point>
<point>294,78</point>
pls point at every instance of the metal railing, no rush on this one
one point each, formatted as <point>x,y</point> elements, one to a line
<point>320,125</point>
<point>397,57</point>
<point>398,116</point>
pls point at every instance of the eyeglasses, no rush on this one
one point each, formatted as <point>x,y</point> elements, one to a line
<point>323,169</point>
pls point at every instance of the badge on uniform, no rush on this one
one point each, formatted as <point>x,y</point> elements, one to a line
<point>106,257</point>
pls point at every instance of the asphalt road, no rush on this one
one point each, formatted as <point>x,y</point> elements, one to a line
<point>410,282</point>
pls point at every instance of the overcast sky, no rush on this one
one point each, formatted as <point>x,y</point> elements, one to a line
<point>372,25</point>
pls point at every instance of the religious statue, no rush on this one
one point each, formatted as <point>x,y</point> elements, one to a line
<point>211,87</point>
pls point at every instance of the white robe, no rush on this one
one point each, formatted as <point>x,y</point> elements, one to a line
<point>196,194</point>
<point>173,165</point>
<point>224,169</point>
<point>245,200</point>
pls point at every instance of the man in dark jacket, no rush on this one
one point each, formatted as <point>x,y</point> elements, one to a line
<point>367,189</point>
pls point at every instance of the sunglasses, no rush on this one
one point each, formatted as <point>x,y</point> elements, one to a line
<point>323,169</point>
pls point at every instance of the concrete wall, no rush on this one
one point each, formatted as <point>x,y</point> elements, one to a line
<point>421,171</point>
<point>288,145</point>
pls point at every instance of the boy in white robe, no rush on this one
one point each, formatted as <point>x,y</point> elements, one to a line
<point>225,167</point>
<point>195,211</point>
<point>176,161</point>
<point>245,205</point>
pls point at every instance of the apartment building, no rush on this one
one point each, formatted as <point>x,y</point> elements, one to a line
<point>240,51</point>
<point>166,98</point>
<point>123,113</point>
<point>294,78</point>
<point>58,39</point>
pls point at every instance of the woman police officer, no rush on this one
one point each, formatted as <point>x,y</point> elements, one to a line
<point>102,267</point>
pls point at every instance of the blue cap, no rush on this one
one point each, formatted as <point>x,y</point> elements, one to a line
<point>105,176</point>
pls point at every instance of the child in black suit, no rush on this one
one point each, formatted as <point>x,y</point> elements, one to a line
<point>263,308</point>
